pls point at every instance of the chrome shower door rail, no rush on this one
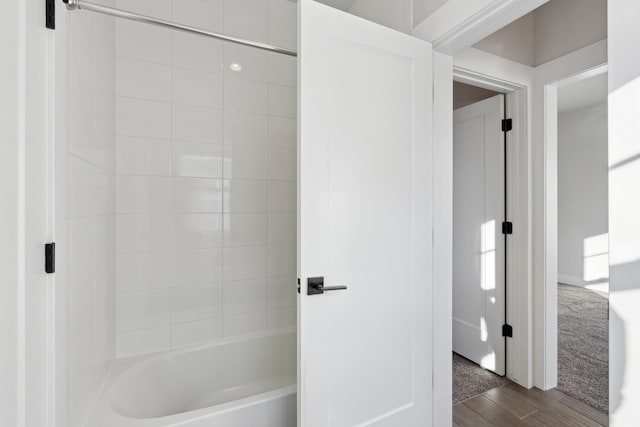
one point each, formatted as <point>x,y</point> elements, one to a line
<point>85,5</point>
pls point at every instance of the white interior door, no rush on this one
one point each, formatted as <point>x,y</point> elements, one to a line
<point>364,222</point>
<point>478,242</point>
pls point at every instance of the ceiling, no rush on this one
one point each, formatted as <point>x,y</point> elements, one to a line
<point>582,94</point>
<point>339,4</point>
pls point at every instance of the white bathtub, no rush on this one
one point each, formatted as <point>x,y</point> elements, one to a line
<point>243,382</point>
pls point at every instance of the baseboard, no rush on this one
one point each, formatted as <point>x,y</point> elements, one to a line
<point>571,280</point>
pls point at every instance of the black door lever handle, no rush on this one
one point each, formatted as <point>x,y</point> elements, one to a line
<point>315,286</point>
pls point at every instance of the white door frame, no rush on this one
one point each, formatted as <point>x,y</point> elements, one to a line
<point>27,207</point>
<point>458,24</point>
<point>518,284</point>
<point>548,77</point>
<point>548,96</point>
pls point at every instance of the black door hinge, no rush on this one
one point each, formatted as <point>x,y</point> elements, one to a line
<point>507,227</point>
<point>50,258</point>
<point>298,285</point>
<point>507,331</point>
<point>50,14</point>
<point>507,125</point>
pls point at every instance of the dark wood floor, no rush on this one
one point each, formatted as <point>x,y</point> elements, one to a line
<point>511,405</point>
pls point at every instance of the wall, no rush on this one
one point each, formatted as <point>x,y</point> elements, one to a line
<point>464,94</point>
<point>564,26</point>
<point>624,211</point>
<point>11,161</point>
<point>514,42</point>
<point>582,196</point>
<point>551,31</point>
<point>423,8</point>
<point>206,168</point>
<point>90,220</point>
<point>394,14</point>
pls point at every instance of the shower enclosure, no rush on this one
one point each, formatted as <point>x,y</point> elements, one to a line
<point>182,235</point>
<point>181,212</point>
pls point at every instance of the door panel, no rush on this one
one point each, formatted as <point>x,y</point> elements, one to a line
<point>364,222</point>
<point>478,242</point>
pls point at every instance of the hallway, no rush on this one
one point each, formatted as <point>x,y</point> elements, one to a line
<point>511,405</point>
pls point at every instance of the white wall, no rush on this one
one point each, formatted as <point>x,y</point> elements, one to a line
<point>394,14</point>
<point>464,94</point>
<point>582,196</point>
<point>206,168</point>
<point>624,211</point>
<point>514,42</point>
<point>563,26</point>
<point>11,353</point>
<point>90,220</point>
<point>551,31</point>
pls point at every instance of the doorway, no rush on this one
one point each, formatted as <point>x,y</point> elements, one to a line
<point>583,261</point>
<point>479,240</point>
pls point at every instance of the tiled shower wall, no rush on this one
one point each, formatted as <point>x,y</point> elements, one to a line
<point>90,207</point>
<point>206,175</point>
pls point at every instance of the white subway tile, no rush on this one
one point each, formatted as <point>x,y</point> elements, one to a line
<point>260,7</point>
<point>143,42</point>
<point>282,260</point>
<point>143,156</point>
<point>196,302</point>
<point>246,96</point>
<point>245,296</point>
<point>283,70</point>
<point>283,10</point>
<point>197,88</point>
<point>282,228</point>
<point>282,292</point>
<point>197,195</point>
<point>252,26</point>
<point>143,309</point>
<point>243,324</point>
<point>196,52</point>
<point>245,196</point>
<point>283,33</point>
<point>254,63</point>
<point>283,164</point>
<point>141,79</point>
<point>80,183</point>
<point>140,233</point>
<point>196,231</point>
<point>197,267</point>
<point>245,229</point>
<point>282,101</point>
<point>139,117</point>
<point>246,128</point>
<point>283,132</point>
<point>81,136</point>
<point>156,8</point>
<point>282,196</point>
<point>143,194</point>
<point>143,270</point>
<point>197,124</point>
<point>193,159</point>
<point>284,318</point>
<point>243,263</point>
<point>205,14</point>
<point>200,331</point>
<point>245,162</point>
<point>143,341</point>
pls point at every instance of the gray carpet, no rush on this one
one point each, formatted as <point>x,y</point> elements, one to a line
<point>470,380</point>
<point>583,346</point>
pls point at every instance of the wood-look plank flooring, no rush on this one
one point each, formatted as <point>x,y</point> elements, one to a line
<point>511,406</point>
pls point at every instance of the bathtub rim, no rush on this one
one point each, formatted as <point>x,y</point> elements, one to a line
<point>103,413</point>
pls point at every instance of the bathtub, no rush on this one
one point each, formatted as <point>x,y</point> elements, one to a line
<point>236,383</point>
